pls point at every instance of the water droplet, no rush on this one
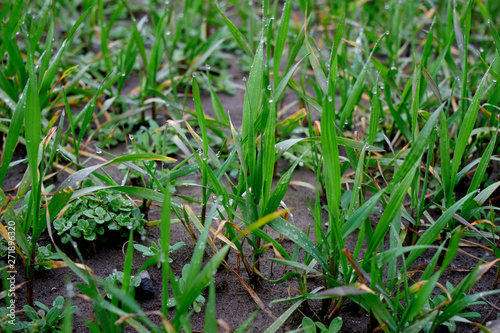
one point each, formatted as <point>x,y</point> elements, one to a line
<point>269,87</point>
<point>131,137</point>
<point>359,187</point>
<point>123,74</point>
<point>143,238</point>
<point>200,152</point>
<point>489,21</point>
<point>379,120</point>
<point>330,98</point>
<point>271,100</point>
<point>374,91</point>
<point>194,74</point>
<point>481,50</point>
<point>207,66</point>
<point>168,33</point>
<point>17,33</point>
<point>387,7</point>
<point>244,79</point>
<point>167,3</point>
<point>129,226</point>
<point>387,33</point>
<point>69,290</point>
<point>367,145</point>
<point>346,122</point>
<point>98,150</point>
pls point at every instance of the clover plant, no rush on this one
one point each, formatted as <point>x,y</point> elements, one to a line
<point>117,277</point>
<point>198,302</point>
<point>93,215</point>
<point>155,250</point>
<point>44,320</point>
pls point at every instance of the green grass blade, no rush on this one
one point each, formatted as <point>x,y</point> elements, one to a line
<point>210,318</point>
<point>250,108</point>
<point>13,134</point>
<point>466,127</point>
<point>430,235</point>
<point>283,318</point>
<point>355,93</point>
<point>418,147</point>
<point>238,36</point>
<point>281,40</point>
<point>54,65</point>
<point>165,246</point>
<point>294,234</point>
<point>390,212</point>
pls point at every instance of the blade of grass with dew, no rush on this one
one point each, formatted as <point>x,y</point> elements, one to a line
<point>294,234</point>
<point>280,89</point>
<point>281,187</point>
<point>44,61</point>
<point>431,234</point>
<point>13,133</point>
<point>281,41</point>
<point>360,214</point>
<point>48,77</point>
<point>390,212</point>
<point>7,100</point>
<point>103,35</point>
<point>355,93</point>
<point>374,114</point>
<point>444,148</point>
<point>165,246</point>
<point>316,65</point>
<point>32,123</point>
<point>331,160</point>
<point>328,133</point>
<point>210,318</point>
<point>464,132</point>
<point>481,170</point>
<point>284,317</point>
<point>354,204</point>
<point>415,101</point>
<point>250,108</point>
<point>238,36</point>
<point>14,16</point>
<point>16,61</point>
<point>203,129</point>
<point>418,147</point>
